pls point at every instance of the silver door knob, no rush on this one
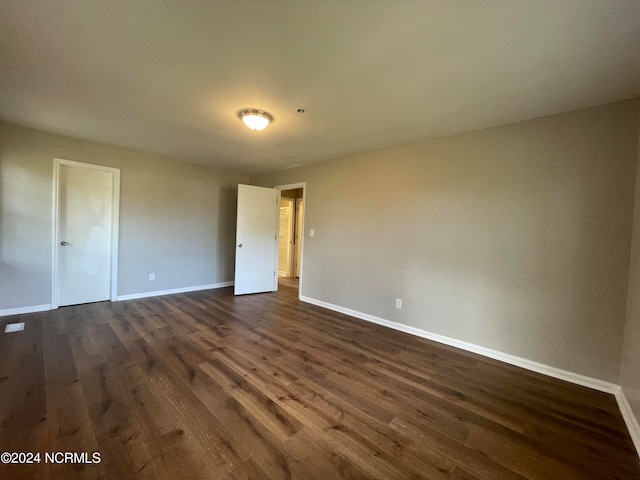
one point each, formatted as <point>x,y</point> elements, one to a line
<point>64,244</point>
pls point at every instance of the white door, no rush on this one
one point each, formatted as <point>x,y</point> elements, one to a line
<point>85,224</point>
<point>299,232</point>
<point>256,240</point>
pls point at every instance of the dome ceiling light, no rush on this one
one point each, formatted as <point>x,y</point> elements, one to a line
<point>255,119</point>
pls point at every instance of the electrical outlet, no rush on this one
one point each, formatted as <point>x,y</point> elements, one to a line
<point>152,277</point>
<point>399,303</point>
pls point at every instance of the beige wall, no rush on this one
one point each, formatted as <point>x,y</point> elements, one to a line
<point>177,219</point>
<point>515,238</point>
<point>630,375</point>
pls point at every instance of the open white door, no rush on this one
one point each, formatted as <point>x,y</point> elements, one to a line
<point>256,240</point>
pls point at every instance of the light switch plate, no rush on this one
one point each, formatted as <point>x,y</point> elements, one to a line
<point>312,232</point>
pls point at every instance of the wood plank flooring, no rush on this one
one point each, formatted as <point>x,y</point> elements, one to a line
<point>206,385</point>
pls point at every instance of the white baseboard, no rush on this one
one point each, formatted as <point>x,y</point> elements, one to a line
<point>629,418</point>
<point>23,310</point>
<point>572,377</point>
<point>43,308</point>
<point>625,409</point>
<point>134,296</point>
<point>157,293</point>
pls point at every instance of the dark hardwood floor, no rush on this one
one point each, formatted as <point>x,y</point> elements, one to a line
<point>206,385</point>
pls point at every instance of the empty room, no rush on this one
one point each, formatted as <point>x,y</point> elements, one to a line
<point>312,240</point>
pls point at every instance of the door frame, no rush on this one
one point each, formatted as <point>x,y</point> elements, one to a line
<point>298,249</point>
<point>292,186</point>
<point>58,163</point>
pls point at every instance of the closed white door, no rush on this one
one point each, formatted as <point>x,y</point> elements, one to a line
<point>85,219</point>
<point>256,240</point>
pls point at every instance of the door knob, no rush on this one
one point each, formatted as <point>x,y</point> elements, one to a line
<point>240,245</point>
<point>64,244</point>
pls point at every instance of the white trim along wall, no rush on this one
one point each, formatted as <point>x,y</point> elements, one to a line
<point>24,310</point>
<point>607,387</point>
<point>119,298</point>
<point>625,409</point>
<point>134,296</point>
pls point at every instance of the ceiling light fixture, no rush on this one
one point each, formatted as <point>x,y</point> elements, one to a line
<point>255,119</point>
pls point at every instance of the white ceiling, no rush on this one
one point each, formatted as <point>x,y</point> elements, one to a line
<point>169,76</point>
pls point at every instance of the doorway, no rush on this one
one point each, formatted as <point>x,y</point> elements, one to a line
<point>286,237</point>
<point>85,233</point>
<point>257,233</point>
<point>291,235</point>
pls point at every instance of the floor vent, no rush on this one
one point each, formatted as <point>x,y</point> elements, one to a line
<point>14,327</point>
